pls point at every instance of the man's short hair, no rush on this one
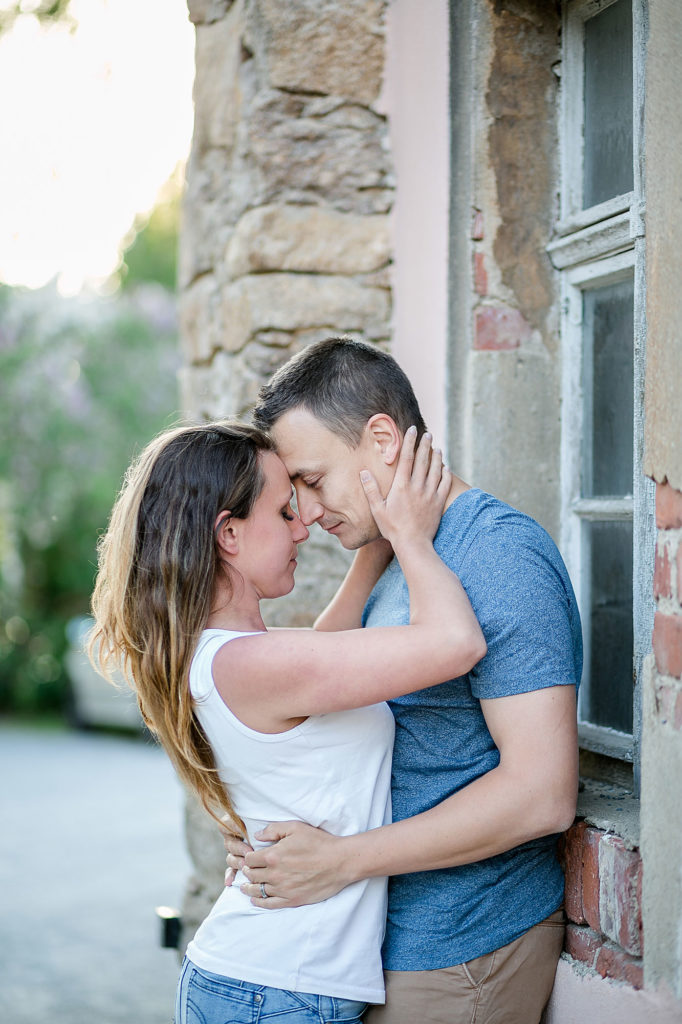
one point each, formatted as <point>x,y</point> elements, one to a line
<point>343,383</point>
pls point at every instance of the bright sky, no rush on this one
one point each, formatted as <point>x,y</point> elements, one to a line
<point>92,123</point>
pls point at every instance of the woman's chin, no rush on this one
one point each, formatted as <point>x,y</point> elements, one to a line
<point>281,589</point>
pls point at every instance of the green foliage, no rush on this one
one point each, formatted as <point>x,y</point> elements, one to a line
<point>84,384</point>
<point>152,256</point>
<point>46,11</point>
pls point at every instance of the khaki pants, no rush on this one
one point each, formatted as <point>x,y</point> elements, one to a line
<point>509,986</point>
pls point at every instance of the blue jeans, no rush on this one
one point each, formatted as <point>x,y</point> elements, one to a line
<point>205,998</point>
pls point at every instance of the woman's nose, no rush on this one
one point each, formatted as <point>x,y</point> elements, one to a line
<point>299,530</point>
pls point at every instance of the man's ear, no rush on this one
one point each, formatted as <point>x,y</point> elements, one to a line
<point>385,437</point>
<point>226,534</point>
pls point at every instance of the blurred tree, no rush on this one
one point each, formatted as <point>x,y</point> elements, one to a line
<point>46,11</point>
<point>85,383</point>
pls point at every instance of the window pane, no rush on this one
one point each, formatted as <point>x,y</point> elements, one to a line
<point>608,327</point>
<point>609,692</point>
<point>607,166</point>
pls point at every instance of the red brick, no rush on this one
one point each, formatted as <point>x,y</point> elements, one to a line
<point>662,580</point>
<point>620,908</point>
<point>613,963</point>
<point>591,841</point>
<point>477,227</point>
<point>500,328</point>
<point>480,274</point>
<point>582,944</point>
<point>572,858</point>
<point>667,641</point>
<point>668,507</point>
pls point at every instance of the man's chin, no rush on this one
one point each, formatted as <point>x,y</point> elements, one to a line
<point>351,541</point>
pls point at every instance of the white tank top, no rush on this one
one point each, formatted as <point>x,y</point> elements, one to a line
<point>333,771</point>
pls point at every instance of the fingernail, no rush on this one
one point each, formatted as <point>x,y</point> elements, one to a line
<point>365,476</point>
<point>411,430</point>
<point>428,436</point>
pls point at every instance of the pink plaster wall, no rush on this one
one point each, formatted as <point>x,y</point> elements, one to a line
<point>416,101</point>
<point>578,998</point>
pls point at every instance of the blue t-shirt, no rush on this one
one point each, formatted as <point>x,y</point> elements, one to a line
<point>520,591</point>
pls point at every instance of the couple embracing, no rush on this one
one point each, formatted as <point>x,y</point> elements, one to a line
<point>455,790</point>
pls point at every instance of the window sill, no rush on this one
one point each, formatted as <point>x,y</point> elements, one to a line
<point>609,807</point>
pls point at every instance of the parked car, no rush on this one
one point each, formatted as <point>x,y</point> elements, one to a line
<point>94,701</point>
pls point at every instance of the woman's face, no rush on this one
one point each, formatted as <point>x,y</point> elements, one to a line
<point>270,535</point>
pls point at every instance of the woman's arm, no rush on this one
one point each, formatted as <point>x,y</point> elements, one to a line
<point>271,678</point>
<point>531,793</point>
<point>344,611</point>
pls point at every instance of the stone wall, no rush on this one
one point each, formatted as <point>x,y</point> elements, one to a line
<point>285,236</point>
<point>505,370</point>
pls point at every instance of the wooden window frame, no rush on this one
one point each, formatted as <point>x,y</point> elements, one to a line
<point>592,248</point>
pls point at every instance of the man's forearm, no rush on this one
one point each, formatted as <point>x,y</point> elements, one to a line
<point>491,815</point>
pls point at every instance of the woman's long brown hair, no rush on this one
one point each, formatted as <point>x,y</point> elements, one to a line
<point>158,564</point>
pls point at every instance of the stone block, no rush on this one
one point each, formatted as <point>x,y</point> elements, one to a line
<point>334,47</point>
<point>307,239</point>
<point>288,302</point>
<point>301,158</point>
<point>199,324</point>
<point>202,12</point>
<point>217,96</point>
<point>208,214</point>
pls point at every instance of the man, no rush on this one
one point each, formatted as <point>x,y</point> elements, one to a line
<point>485,766</point>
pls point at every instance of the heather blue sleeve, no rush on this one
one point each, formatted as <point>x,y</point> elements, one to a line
<point>522,596</point>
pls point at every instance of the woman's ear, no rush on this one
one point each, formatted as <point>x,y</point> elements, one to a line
<point>385,437</point>
<point>225,533</point>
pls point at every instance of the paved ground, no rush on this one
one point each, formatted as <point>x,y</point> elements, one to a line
<point>90,842</point>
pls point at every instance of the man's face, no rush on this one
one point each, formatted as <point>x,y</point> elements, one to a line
<point>325,473</point>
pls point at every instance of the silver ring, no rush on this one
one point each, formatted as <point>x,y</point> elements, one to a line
<point>263,892</point>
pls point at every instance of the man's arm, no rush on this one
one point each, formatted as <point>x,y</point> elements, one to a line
<point>531,793</point>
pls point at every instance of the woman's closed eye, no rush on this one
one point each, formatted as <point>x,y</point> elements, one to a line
<point>288,513</point>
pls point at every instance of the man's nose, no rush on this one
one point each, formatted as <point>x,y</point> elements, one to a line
<point>309,509</point>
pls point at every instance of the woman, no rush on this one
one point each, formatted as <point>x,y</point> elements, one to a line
<point>201,532</point>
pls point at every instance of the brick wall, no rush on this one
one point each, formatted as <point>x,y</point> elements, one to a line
<point>603,876</point>
<point>667,639</point>
<point>603,903</point>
